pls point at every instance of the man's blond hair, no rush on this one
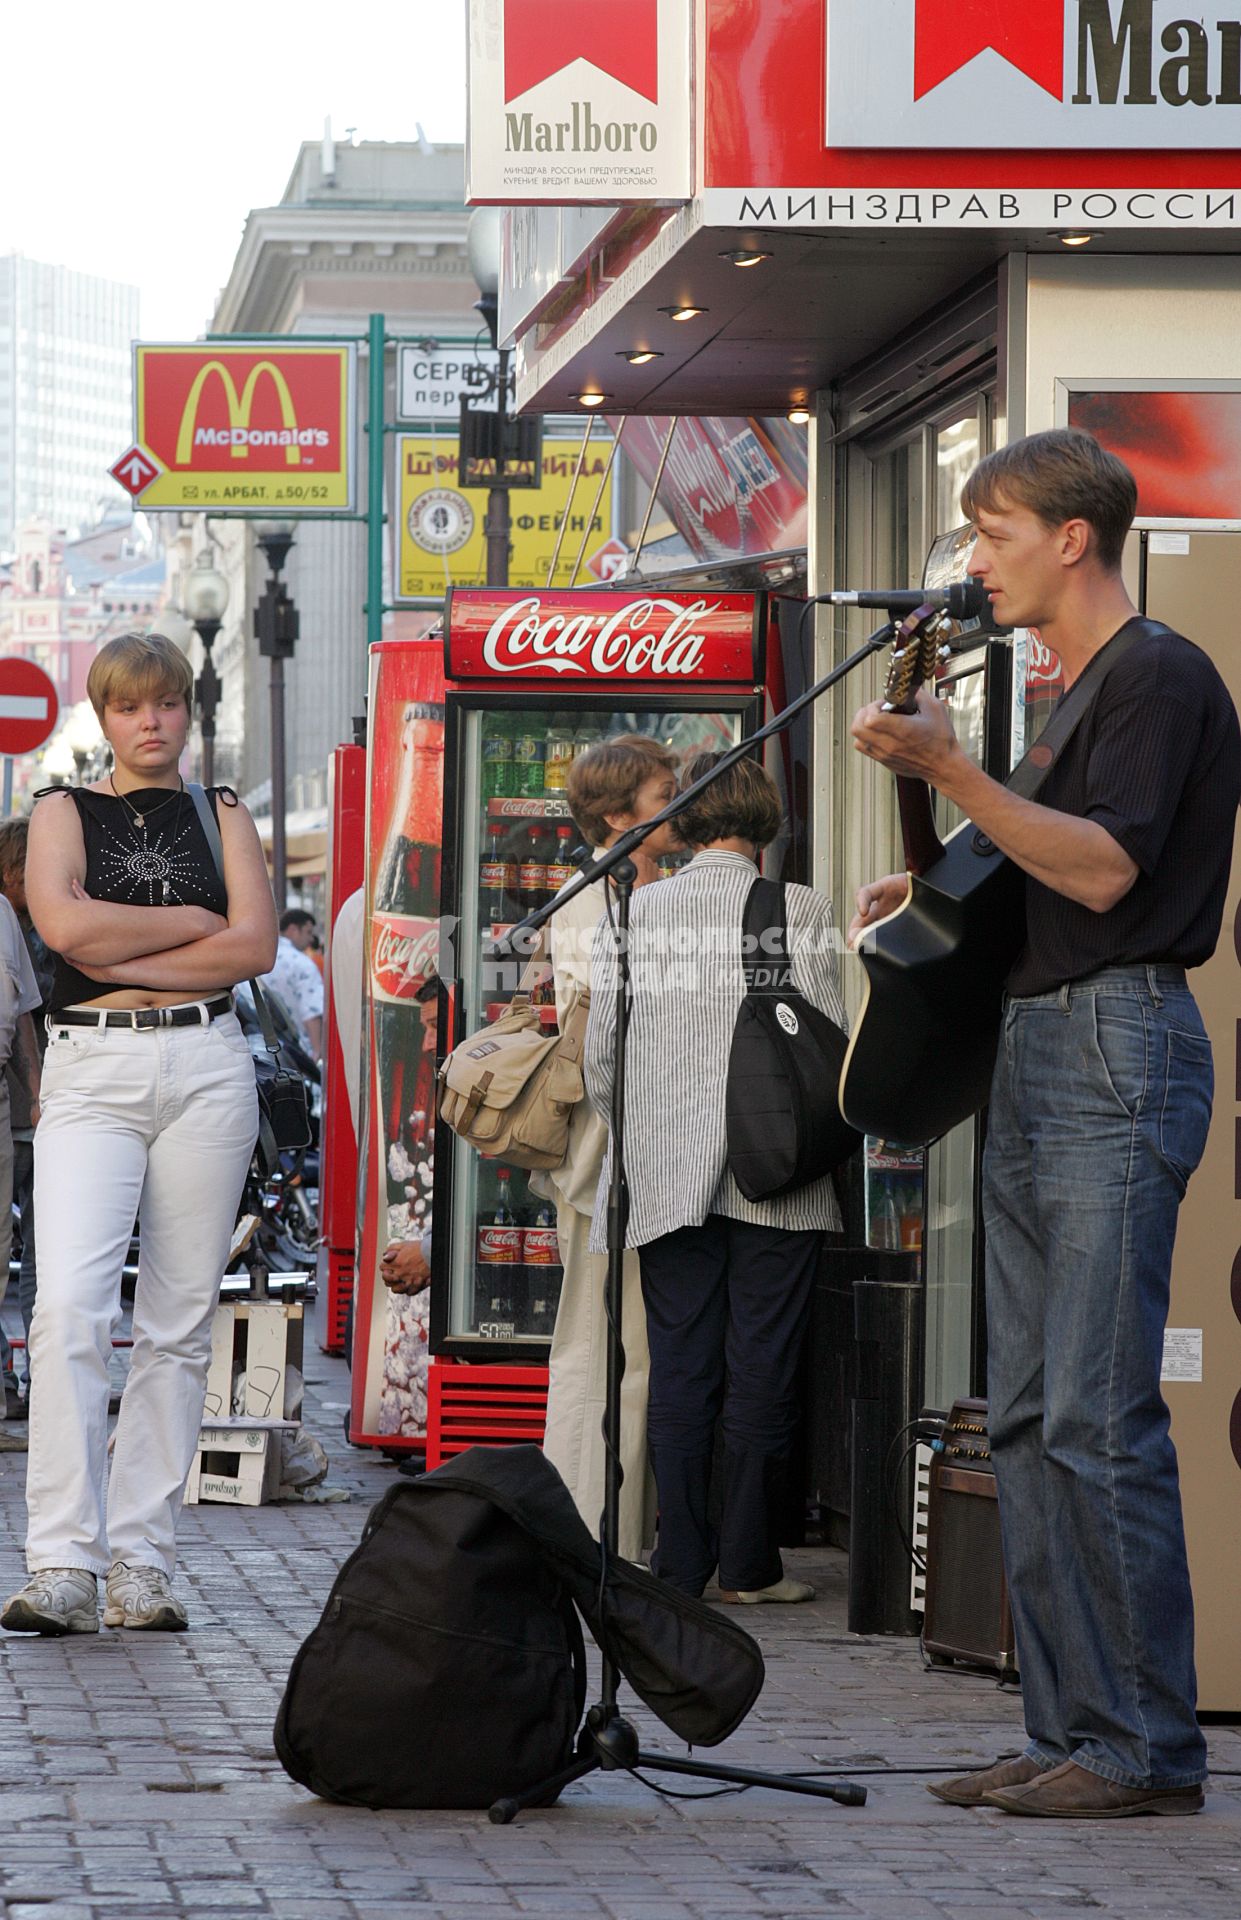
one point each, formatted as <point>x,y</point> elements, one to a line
<point>137,666</point>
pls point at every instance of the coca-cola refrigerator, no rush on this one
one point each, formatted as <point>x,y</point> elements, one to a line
<point>338,1145</point>
<point>534,679</point>
<point>396,1121</point>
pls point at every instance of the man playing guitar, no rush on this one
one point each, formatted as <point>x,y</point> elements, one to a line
<point>1100,1104</point>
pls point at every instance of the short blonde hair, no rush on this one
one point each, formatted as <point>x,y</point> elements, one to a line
<point>135,666</point>
<point>606,778</point>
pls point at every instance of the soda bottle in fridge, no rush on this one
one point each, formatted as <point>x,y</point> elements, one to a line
<point>532,872</point>
<point>559,758</point>
<point>499,1260</point>
<point>498,778</point>
<point>497,878</point>
<point>560,867</point>
<point>528,757</point>
<point>543,1271</point>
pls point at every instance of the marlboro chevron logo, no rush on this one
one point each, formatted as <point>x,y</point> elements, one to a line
<point>1103,74</point>
<point>579,100</point>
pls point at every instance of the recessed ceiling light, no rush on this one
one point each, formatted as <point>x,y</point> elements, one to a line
<point>638,356</point>
<point>799,416</point>
<point>683,312</point>
<point>590,399</point>
<point>744,256</point>
<point>1075,239</point>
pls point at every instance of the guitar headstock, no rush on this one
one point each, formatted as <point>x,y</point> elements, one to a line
<point>916,654</point>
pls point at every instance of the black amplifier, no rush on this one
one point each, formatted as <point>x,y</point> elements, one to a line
<point>968,1617</point>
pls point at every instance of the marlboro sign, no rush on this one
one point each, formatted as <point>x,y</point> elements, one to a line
<point>575,101</point>
<point>1103,74</point>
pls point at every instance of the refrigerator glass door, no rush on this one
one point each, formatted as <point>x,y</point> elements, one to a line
<point>518,844</point>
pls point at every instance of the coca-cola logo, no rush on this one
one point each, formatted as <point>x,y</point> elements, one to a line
<point>653,636</point>
<point>403,955</point>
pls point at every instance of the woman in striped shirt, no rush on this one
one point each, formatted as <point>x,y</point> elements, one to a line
<point>726,1281</point>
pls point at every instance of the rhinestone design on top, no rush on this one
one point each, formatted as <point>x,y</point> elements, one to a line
<point>160,869</point>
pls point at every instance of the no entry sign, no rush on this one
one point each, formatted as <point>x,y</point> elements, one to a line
<point>28,706</point>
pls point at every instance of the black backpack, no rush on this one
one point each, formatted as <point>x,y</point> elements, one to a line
<point>447,1669</point>
<point>782,1113</point>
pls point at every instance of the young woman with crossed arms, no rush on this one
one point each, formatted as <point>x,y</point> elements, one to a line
<point>149,1109</point>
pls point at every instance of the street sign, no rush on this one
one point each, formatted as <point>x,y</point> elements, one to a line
<point>246,426</point>
<point>439,536</point>
<point>432,380</point>
<point>134,470</point>
<point>28,706</point>
<point>608,560</point>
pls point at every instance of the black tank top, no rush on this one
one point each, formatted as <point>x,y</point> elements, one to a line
<point>164,862</point>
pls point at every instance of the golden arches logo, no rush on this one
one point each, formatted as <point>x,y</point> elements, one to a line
<point>240,436</point>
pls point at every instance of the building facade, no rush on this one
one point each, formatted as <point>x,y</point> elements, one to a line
<point>65,410</point>
<point>373,228</point>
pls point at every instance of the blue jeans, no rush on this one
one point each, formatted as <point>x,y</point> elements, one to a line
<point>1099,1114</point>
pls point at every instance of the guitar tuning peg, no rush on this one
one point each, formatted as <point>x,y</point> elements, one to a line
<point>944,652</point>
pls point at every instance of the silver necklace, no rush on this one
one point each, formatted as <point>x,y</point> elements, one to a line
<point>148,864</point>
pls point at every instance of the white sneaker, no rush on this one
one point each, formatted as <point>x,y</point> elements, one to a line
<point>141,1597</point>
<point>53,1601</point>
<point>785,1592</point>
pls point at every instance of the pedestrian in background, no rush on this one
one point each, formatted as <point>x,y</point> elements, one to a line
<point>19,996</point>
<point>149,1109</point>
<point>297,979</point>
<point>13,838</point>
<point>611,787</point>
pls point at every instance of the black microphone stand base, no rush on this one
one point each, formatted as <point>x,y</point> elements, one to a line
<point>608,1744</point>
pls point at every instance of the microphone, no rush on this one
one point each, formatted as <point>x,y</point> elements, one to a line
<point>963,600</point>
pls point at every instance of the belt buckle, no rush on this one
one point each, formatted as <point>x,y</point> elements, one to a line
<point>143,1019</point>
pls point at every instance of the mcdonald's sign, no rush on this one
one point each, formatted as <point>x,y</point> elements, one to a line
<point>246,427</point>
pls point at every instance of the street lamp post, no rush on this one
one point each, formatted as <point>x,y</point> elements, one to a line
<point>206,597</point>
<point>276,627</point>
<point>483,249</point>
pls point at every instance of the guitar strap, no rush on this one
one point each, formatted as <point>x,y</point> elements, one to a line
<point>1033,768</point>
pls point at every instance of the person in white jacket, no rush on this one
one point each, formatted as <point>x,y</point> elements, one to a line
<point>611,787</point>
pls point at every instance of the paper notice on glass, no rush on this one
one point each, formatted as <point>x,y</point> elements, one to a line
<point>1182,1354</point>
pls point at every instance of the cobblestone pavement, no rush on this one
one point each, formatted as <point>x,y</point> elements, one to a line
<point>137,1776</point>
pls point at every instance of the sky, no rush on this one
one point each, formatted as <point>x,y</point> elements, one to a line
<point>138,138</point>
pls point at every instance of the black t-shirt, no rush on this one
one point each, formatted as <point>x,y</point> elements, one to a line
<point>1157,762</point>
<point>169,865</point>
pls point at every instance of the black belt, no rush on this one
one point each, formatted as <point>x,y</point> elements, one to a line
<point>142,1019</point>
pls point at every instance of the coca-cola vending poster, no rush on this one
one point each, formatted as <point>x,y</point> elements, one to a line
<point>620,636</point>
<point>733,487</point>
<point>404,830</point>
<point>1182,447</point>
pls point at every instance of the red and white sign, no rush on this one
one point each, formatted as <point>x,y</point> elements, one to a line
<point>245,426</point>
<point>608,560</point>
<point>679,640</point>
<point>134,470</point>
<point>579,101</point>
<point>28,706</point>
<point>1056,74</point>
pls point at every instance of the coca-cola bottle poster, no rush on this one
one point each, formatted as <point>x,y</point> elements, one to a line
<point>404,831</point>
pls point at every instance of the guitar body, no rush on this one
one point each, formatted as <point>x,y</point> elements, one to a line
<point>924,1043</point>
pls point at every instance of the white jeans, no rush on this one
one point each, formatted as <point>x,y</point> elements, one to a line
<point>158,1124</point>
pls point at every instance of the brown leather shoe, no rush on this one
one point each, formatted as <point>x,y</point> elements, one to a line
<point>1070,1792</point>
<point>971,1789</point>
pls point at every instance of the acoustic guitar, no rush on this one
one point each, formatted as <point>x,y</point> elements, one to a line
<point>923,1045</point>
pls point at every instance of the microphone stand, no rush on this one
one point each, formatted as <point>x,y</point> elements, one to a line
<point>608,1741</point>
